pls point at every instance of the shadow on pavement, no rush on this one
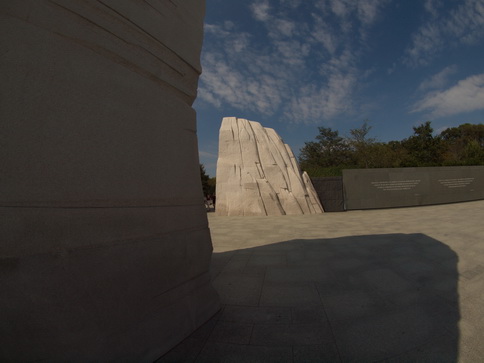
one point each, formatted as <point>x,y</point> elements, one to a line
<point>390,297</point>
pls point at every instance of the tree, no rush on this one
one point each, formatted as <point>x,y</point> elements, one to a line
<point>363,148</point>
<point>464,145</point>
<point>465,132</point>
<point>473,154</point>
<point>206,185</point>
<point>212,182</point>
<point>330,150</point>
<point>331,153</point>
<point>423,148</point>
<point>359,135</point>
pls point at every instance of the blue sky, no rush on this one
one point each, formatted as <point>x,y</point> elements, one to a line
<point>295,65</point>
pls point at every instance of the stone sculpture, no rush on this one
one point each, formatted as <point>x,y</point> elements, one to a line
<point>257,174</point>
<point>105,246</point>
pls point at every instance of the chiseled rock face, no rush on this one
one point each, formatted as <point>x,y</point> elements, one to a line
<point>105,247</point>
<point>257,174</point>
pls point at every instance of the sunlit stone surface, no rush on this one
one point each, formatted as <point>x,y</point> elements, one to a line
<point>257,174</point>
<point>105,247</point>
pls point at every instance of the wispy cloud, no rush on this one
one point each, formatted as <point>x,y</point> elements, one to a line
<point>260,10</point>
<point>226,80</point>
<point>284,27</point>
<point>466,96</point>
<point>462,25</point>
<point>365,11</point>
<point>231,41</point>
<point>314,104</point>
<point>207,155</point>
<point>368,10</point>
<point>432,7</point>
<point>302,71</point>
<point>439,80</point>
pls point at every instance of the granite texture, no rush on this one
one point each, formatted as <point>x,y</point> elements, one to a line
<point>257,174</point>
<point>330,192</point>
<point>104,253</point>
<point>392,285</point>
<point>405,187</point>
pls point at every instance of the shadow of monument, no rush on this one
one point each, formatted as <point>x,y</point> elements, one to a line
<point>390,297</point>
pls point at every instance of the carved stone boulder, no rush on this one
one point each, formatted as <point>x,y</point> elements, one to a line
<point>257,174</point>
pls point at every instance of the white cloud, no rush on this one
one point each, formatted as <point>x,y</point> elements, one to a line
<point>229,25</point>
<point>438,80</point>
<point>368,10</point>
<point>301,71</point>
<point>466,96</point>
<point>322,33</point>
<point>340,8</point>
<point>353,18</point>
<point>314,103</point>
<point>463,25</point>
<point>233,41</point>
<point>260,10</point>
<point>285,27</point>
<point>216,30</point>
<point>426,43</point>
<point>221,82</point>
<point>292,52</point>
<point>239,43</point>
<point>432,6</point>
<point>467,22</point>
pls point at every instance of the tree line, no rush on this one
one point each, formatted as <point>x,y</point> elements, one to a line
<point>331,153</point>
<point>208,183</point>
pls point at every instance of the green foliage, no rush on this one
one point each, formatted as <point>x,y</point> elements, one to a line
<point>331,153</point>
<point>423,149</point>
<point>363,148</point>
<point>473,153</point>
<point>465,145</point>
<point>208,184</point>
<point>330,150</point>
<point>212,183</point>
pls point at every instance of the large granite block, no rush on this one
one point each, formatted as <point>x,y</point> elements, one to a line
<point>105,247</point>
<point>257,174</point>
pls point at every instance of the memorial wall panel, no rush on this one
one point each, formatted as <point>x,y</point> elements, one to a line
<point>403,187</point>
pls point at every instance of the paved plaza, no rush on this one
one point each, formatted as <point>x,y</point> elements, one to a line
<point>393,285</point>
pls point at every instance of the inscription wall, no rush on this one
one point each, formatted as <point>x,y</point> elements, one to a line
<point>403,187</point>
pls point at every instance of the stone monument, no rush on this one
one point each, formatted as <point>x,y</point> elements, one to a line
<point>105,246</point>
<point>257,174</point>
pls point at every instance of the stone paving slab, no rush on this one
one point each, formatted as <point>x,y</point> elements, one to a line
<point>394,285</point>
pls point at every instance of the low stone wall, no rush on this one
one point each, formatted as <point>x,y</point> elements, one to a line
<point>404,187</point>
<point>330,192</point>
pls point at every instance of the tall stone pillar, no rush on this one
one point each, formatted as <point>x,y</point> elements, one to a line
<point>105,247</point>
